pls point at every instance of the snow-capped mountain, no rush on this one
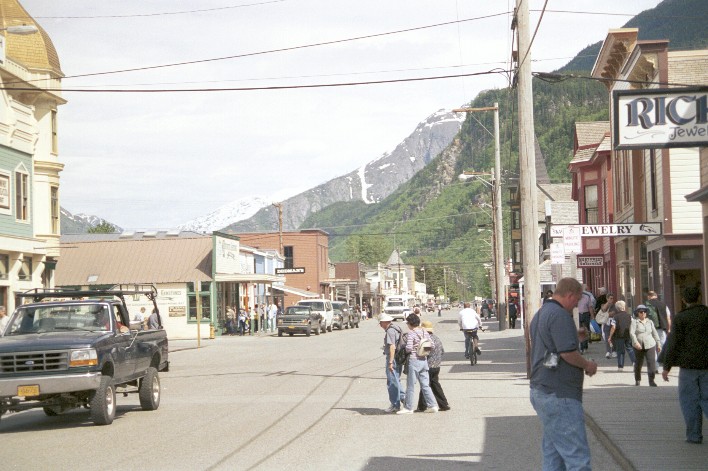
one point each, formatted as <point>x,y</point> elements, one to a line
<point>232,212</point>
<point>370,183</point>
<point>81,223</point>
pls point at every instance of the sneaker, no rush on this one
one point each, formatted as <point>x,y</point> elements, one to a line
<point>391,408</point>
<point>404,411</point>
<point>432,410</point>
<point>441,409</point>
<point>479,352</point>
<point>607,355</point>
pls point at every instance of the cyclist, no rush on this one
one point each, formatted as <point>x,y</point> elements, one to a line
<point>469,321</point>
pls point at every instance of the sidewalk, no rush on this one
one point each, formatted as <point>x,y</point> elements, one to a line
<point>640,427</point>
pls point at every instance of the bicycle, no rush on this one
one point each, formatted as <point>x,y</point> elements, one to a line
<point>472,333</point>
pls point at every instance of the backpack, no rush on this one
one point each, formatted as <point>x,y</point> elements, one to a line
<point>653,314</point>
<point>400,355</point>
<point>512,310</point>
<point>424,347</point>
<point>624,321</point>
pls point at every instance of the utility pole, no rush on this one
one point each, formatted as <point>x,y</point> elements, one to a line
<point>498,222</point>
<point>280,224</point>
<point>527,170</point>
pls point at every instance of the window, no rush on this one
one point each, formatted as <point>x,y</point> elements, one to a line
<point>4,266</point>
<point>55,144</point>
<point>21,196</point>
<point>517,251</point>
<point>515,219</point>
<point>54,204</point>
<point>288,254</point>
<point>591,204</point>
<point>25,272</point>
<point>205,294</point>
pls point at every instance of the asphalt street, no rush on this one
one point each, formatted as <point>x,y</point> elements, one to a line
<point>299,403</point>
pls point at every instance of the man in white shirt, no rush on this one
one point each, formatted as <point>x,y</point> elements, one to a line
<point>469,321</point>
<point>4,319</point>
<point>272,312</point>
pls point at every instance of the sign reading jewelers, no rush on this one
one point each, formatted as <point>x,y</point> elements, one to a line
<point>660,117</point>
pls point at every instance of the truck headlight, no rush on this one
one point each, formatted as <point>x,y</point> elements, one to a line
<point>280,321</point>
<point>85,357</point>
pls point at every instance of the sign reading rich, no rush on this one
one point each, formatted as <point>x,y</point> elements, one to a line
<point>660,117</point>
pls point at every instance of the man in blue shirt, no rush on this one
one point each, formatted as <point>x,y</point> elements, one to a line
<point>557,391</point>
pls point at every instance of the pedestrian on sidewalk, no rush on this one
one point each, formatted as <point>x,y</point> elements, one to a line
<point>586,310</point>
<point>418,371</point>
<point>605,317</point>
<point>645,341</point>
<point>619,334</point>
<point>434,361</point>
<point>393,369</point>
<point>687,349</point>
<point>513,312</point>
<point>557,391</point>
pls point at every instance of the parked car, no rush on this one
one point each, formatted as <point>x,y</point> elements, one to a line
<point>299,319</point>
<point>344,316</point>
<point>322,307</point>
<point>61,352</point>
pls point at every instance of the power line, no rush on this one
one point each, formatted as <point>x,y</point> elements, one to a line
<point>245,89</point>
<point>283,49</point>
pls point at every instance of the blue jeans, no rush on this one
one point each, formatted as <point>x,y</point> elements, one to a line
<point>393,384</point>
<point>565,444</point>
<point>418,371</point>
<point>693,397</point>
<point>622,345</point>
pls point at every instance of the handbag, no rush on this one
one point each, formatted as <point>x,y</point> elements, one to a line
<point>602,317</point>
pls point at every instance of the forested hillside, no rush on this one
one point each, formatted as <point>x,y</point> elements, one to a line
<point>443,224</point>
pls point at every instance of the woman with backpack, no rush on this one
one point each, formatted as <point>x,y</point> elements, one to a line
<point>417,343</point>
<point>619,334</point>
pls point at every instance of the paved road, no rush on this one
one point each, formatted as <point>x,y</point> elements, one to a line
<point>297,403</point>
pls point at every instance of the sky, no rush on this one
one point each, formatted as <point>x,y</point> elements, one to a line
<point>157,160</point>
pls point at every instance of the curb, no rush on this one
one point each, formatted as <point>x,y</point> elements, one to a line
<point>613,450</point>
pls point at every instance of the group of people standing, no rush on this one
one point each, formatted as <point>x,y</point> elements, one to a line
<point>259,318</point>
<point>558,366</point>
<point>420,368</point>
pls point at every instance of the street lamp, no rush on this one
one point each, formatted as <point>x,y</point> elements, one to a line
<point>497,209</point>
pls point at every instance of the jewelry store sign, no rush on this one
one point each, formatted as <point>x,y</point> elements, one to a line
<point>611,230</point>
<point>660,118</point>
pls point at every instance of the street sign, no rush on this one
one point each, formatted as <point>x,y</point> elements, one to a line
<point>289,271</point>
<point>590,262</point>
<point>571,239</point>
<point>612,230</point>
<point>557,253</point>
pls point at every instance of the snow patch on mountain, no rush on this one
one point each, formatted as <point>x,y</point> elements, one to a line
<point>230,213</point>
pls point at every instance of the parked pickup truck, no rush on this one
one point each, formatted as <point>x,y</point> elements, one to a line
<point>78,348</point>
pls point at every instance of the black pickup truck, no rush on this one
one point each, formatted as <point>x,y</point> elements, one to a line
<point>69,349</point>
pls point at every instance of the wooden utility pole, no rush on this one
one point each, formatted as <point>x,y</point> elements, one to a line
<point>280,225</point>
<point>498,222</point>
<point>527,173</point>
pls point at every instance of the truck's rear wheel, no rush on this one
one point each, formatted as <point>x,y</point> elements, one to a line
<point>150,390</point>
<point>103,402</point>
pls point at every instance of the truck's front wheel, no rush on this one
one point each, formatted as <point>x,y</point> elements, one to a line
<point>103,402</point>
<point>150,390</point>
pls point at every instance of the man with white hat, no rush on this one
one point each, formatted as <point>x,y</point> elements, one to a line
<point>393,370</point>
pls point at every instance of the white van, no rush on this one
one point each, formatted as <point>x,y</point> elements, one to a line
<point>322,307</point>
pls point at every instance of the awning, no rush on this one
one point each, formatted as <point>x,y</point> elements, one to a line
<point>249,278</point>
<point>296,291</point>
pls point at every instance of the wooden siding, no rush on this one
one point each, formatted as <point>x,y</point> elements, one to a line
<point>685,179</point>
<point>9,160</point>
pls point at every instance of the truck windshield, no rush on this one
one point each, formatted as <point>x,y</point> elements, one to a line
<point>395,304</point>
<point>55,318</point>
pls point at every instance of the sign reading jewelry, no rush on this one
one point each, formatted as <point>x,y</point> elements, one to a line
<point>611,230</point>
<point>660,117</point>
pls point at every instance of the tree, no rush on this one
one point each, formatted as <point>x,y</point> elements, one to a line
<point>103,228</point>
